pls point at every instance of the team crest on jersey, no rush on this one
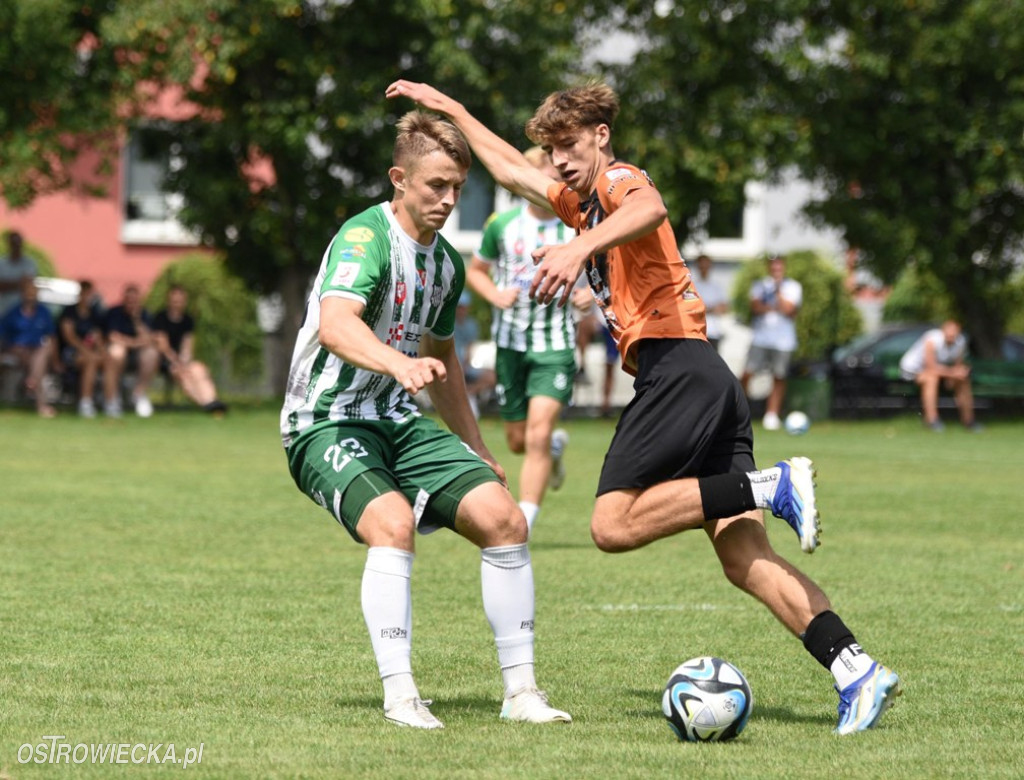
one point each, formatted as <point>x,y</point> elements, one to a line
<point>435,296</point>
<point>618,173</point>
<point>520,247</point>
<point>358,234</point>
<point>345,274</point>
<point>400,293</point>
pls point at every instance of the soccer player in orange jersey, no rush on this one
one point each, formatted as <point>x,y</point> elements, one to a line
<point>682,454</point>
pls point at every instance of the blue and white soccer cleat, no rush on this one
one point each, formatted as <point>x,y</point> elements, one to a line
<point>794,500</point>
<point>862,703</point>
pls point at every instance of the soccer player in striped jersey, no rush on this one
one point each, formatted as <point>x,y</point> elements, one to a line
<point>535,343</point>
<point>682,454</point>
<point>378,327</point>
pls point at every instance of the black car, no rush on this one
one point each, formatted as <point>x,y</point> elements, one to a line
<point>866,377</point>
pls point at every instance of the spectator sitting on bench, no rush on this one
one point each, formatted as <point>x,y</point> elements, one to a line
<point>82,347</point>
<point>938,357</point>
<point>174,328</point>
<point>26,334</point>
<point>130,347</point>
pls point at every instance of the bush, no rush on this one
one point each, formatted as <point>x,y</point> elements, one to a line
<point>227,337</point>
<point>827,317</point>
<point>917,296</point>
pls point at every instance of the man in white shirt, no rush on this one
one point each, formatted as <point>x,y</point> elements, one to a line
<point>938,357</point>
<point>774,302</point>
<point>714,297</point>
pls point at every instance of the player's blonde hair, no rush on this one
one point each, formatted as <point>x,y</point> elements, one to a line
<point>569,110</point>
<point>536,156</point>
<point>420,133</point>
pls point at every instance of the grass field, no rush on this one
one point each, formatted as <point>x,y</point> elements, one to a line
<point>163,582</point>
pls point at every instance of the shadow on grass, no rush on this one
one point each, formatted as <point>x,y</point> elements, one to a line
<point>472,705</point>
<point>781,714</point>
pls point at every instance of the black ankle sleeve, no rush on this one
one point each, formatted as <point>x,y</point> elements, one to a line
<point>725,495</point>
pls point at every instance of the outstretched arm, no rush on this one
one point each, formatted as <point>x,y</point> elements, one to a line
<point>505,163</point>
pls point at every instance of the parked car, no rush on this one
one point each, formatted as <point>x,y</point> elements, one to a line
<point>865,374</point>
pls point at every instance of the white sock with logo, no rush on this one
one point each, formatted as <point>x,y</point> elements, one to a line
<point>850,665</point>
<point>506,578</point>
<point>531,511</point>
<point>387,609</point>
<point>763,484</point>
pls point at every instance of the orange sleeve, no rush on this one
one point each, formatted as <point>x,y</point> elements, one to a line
<point>617,182</point>
<point>564,202</point>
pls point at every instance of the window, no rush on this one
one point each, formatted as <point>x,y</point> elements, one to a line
<point>149,211</point>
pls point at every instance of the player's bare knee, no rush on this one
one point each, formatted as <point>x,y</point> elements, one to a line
<point>387,529</point>
<point>610,537</point>
<point>516,442</point>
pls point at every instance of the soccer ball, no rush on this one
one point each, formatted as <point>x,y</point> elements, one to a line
<point>797,423</point>
<point>707,700</point>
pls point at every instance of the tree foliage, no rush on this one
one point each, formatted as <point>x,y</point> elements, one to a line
<point>907,114</point>
<point>296,89</point>
<point>56,96</point>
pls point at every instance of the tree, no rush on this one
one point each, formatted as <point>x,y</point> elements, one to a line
<point>291,132</point>
<point>56,96</point>
<point>907,115</point>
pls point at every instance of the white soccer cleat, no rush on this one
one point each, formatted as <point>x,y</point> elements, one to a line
<point>531,706</point>
<point>414,713</point>
<point>559,441</point>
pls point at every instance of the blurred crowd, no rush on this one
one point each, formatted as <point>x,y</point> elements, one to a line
<point>100,359</point>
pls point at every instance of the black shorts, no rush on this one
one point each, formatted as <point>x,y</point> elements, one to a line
<point>689,418</point>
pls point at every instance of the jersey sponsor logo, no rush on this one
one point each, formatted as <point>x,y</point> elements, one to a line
<point>526,625</point>
<point>421,279</point>
<point>412,337</point>
<point>357,234</point>
<point>345,274</point>
<point>519,247</point>
<point>352,252</point>
<point>400,293</point>
<point>393,633</point>
<point>618,173</point>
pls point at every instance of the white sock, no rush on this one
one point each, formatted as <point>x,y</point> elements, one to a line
<point>850,665</point>
<point>398,687</point>
<point>763,484</point>
<point>531,511</point>
<point>387,609</point>
<point>506,578</point>
<point>518,677</point>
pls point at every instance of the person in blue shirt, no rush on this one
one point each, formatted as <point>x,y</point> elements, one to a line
<point>26,333</point>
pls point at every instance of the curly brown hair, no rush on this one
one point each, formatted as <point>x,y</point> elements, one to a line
<point>569,110</point>
<point>420,133</point>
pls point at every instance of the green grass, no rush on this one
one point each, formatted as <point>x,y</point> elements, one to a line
<point>162,581</point>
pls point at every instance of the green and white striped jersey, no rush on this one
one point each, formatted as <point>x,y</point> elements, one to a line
<point>409,290</point>
<point>508,243</point>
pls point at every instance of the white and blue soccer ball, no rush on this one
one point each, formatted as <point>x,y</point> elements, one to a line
<point>707,700</point>
<point>797,423</point>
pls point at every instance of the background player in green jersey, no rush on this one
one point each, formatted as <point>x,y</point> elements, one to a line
<point>535,363</point>
<point>378,327</point>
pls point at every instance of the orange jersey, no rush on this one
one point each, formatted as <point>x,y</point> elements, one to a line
<point>643,286</point>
